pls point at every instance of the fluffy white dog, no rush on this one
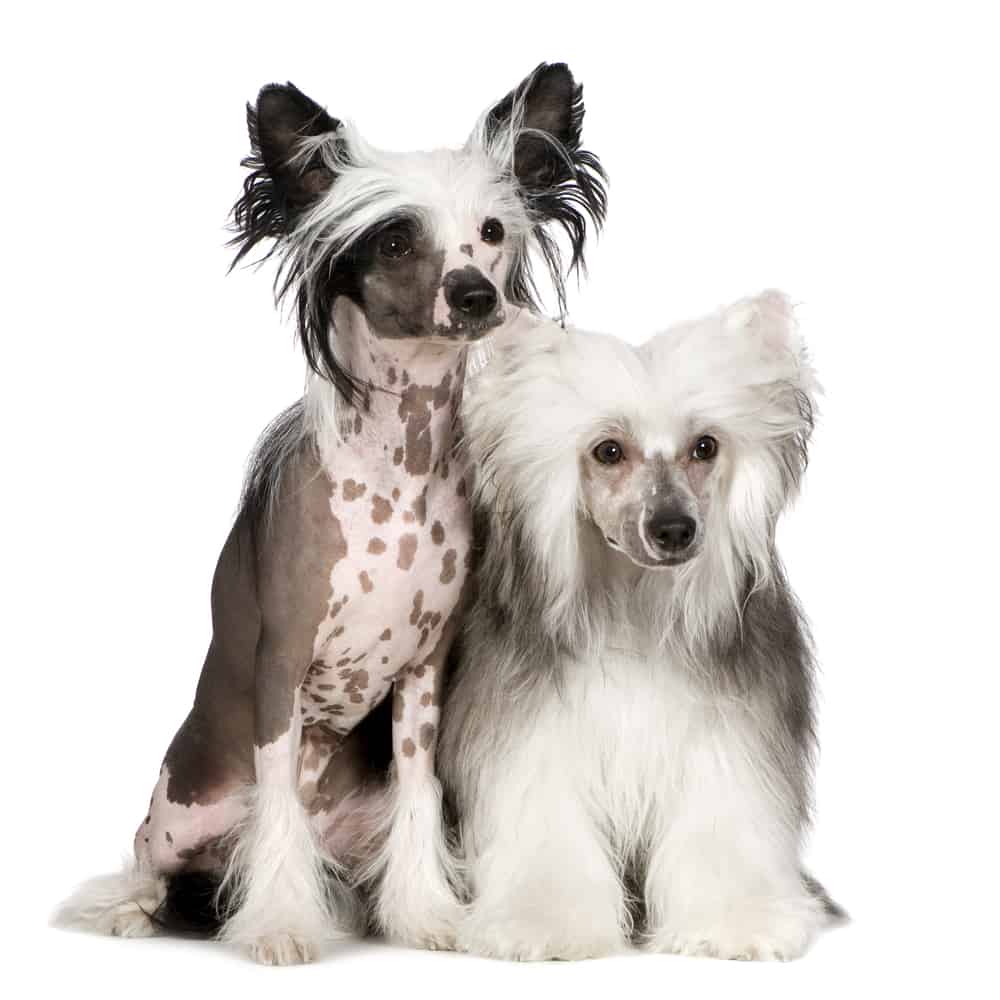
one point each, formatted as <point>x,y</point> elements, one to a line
<point>629,733</point>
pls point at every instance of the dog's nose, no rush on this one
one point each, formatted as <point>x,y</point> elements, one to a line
<point>470,293</point>
<point>672,532</point>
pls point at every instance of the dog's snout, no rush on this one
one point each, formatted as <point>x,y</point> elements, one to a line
<point>470,293</point>
<point>672,532</point>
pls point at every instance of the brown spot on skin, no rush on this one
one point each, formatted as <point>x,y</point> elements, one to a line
<point>381,510</point>
<point>353,490</point>
<point>390,375</point>
<point>386,635</point>
<point>444,468</point>
<point>418,603</point>
<point>398,705</point>
<point>419,507</point>
<point>460,489</point>
<point>376,546</point>
<point>466,248</point>
<point>406,377</point>
<point>357,423</point>
<point>407,550</point>
<point>437,533</point>
<point>409,747</point>
<point>419,670</point>
<point>397,456</point>
<point>448,566</point>
<point>385,659</point>
<point>170,839</point>
<point>395,494</point>
<point>427,733</point>
<point>366,582</point>
<point>426,698</point>
<point>409,517</point>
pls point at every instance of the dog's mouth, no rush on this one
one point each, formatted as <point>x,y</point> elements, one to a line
<point>469,328</point>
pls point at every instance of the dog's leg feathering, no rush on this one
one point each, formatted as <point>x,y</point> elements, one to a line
<point>121,904</point>
<point>280,884</point>
<point>724,878</point>
<point>542,889</point>
<point>415,872</point>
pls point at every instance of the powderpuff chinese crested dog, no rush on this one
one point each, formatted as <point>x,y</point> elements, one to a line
<point>629,734</point>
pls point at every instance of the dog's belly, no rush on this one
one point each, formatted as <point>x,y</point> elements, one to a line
<point>406,562</point>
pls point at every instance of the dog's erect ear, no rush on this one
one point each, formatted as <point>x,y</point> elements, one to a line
<point>283,117</point>
<point>284,179</point>
<point>769,318</point>
<point>547,101</point>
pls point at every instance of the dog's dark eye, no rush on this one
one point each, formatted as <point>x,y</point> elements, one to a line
<point>609,453</point>
<point>492,231</point>
<point>395,243</point>
<point>705,448</point>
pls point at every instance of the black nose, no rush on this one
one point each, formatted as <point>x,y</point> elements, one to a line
<point>672,532</point>
<point>470,293</point>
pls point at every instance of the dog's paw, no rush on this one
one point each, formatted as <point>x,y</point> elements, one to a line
<point>534,941</point>
<point>434,929</point>
<point>778,932</point>
<point>129,920</point>
<point>282,949</point>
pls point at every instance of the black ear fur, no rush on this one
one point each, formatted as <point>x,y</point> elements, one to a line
<point>560,181</point>
<point>279,187</point>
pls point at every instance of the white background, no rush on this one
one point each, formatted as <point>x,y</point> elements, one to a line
<point>846,153</point>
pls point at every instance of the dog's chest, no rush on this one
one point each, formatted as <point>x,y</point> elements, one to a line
<point>407,542</point>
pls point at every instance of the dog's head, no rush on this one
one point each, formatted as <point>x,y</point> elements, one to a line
<point>678,455</point>
<point>428,245</point>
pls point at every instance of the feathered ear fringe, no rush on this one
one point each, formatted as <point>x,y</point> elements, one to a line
<point>568,189</point>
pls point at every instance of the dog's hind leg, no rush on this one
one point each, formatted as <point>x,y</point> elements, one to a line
<point>121,904</point>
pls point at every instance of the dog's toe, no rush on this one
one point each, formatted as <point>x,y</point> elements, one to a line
<point>282,949</point>
<point>129,920</point>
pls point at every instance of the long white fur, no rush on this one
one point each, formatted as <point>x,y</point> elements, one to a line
<point>417,874</point>
<point>633,751</point>
<point>280,883</point>
<point>119,904</point>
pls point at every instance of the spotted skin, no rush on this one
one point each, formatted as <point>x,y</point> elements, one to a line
<point>346,598</point>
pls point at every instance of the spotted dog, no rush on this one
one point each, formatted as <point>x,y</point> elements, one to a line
<point>337,588</point>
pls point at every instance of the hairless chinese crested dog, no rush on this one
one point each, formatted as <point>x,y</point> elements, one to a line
<point>340,579</point>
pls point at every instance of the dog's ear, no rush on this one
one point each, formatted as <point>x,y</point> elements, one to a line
<point>547,103</point>
<point>285,178</point>
<point>535,134</point>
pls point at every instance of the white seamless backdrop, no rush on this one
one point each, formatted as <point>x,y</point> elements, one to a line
<point>846,153</point>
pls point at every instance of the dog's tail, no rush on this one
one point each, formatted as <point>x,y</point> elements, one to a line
<point>196,903</point>
<point>834,911</point>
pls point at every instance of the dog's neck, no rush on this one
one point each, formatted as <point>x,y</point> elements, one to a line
<point>409,395</point>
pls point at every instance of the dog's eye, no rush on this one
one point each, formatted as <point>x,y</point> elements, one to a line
<point>609,453</point>
<point>492,231</point>
<point>705,448</point>
<point>395,243</point>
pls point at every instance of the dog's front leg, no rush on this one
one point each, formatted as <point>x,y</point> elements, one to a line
<point>724,877</point>
<point>281,887</point>
<point>414,872</point>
